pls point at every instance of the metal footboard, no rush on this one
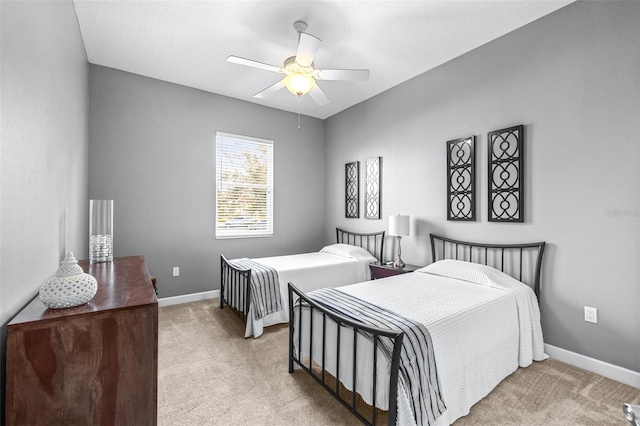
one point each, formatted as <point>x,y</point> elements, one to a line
<point>372,333</point>
<point>235,288</point>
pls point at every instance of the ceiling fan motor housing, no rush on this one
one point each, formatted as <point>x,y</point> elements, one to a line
<point>292,67</point>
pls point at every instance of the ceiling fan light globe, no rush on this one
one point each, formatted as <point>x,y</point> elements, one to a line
<point>299,84</point>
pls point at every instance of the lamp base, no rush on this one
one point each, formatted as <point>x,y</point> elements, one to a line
<point>399,264</point>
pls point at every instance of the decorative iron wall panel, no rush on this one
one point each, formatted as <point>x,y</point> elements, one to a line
<point>506,175</point>
<point>373,183</point>
<point>352,190</point>
<point>461,185</point>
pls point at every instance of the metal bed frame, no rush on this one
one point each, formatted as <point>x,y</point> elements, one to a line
<point>373,333</point>
<point>513,264</point>
<point>632,414</point>
<point>441,248</point>
<point>235,283</point>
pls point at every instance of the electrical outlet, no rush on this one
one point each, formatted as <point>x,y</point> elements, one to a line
<point>176,271</point>
<point>591,314</point>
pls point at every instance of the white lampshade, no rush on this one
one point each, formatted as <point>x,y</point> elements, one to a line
<point>399,225</point>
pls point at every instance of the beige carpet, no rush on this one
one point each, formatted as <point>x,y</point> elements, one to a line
<point>209,375</point>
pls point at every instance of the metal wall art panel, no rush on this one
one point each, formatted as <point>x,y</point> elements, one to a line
<point>373,183</point>
<point>352,190</point>
<point>461,185</point>
<point>506,175</point>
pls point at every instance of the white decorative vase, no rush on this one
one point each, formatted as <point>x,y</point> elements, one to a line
<point>69,287</point>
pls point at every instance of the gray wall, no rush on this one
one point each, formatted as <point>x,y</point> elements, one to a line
<point>152,150</point>
<point>43,150</point>
<point>573,79</point>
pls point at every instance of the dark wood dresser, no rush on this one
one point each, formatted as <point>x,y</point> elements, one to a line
<point>94,364</point>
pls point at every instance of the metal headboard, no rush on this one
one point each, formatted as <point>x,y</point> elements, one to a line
<point>372,242</point>
<point>521,261</point>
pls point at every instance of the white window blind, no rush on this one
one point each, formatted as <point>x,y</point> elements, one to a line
<point>244,186</point>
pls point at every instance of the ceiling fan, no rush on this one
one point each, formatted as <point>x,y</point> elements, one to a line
<point>300,70</point>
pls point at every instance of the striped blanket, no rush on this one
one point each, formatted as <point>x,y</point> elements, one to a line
<point>418,376</point>
<point>265,287</point>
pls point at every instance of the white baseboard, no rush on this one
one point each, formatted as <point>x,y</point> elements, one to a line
<point>186,298</point>
<point>620,374</point>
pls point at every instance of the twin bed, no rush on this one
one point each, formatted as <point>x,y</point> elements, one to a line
<point>423,346</point>
<point>479,322</point>
<point>345,262</point>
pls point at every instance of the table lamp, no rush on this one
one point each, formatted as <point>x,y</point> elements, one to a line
<point>399,227</point>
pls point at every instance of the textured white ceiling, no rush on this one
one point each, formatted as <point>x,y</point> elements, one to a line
<point>187,42</point>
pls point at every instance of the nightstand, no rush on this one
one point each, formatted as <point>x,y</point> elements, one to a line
<point>383,271</point>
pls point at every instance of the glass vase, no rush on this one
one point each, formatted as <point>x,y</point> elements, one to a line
<point>100,231</point>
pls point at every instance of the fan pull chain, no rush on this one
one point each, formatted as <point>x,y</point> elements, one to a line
<point>299,111</point>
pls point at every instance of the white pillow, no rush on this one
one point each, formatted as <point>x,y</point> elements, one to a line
<point>474,273</point>
<point>347,250</point>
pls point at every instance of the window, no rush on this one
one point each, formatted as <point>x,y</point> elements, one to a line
<point>244,186</point>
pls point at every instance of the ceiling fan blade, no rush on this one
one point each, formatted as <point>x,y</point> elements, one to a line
<point>318,95</point>
<point>254,64</point>
<point>349,75</point>
<point>269,90</point>
<point>307,47</point>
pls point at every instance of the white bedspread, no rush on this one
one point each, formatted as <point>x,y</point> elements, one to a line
<point>481,333</point>
<point>308,272</point>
